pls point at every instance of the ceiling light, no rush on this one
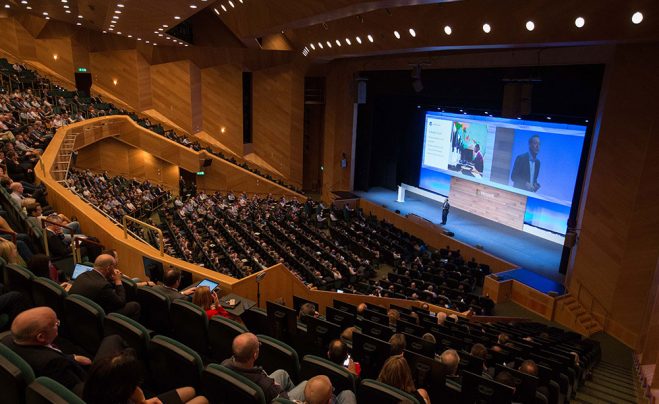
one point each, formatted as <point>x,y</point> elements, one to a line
<point>358,39</point>
<point>65,6</point>
<point>579,22</point>
<point>320,45</point>
<point>487,28</point>
<point>7,6</point>
<point>66,11</point>
<point>397,34</point>
<point>231,4</point>
<point>117,11</point>
<point>130,36</point>
<point>191,6</point>
<point>29,8</point>
<point>313,47</point>
<point>165,26</point>
<point>23,1</point>
<point>119,33</point>
<point>530,25</point>
<point>139,39</point>
<point>176,17</point>
<point>120,5</point>
<point>448,30</point>
<point>48,18</point>
<point>216,11</point>
<point>223,8</point>
<point>45,13</point>
<point>637,17</point>
<point>370,38</point>
<point>348,41</point>
<point>110,29</point>
<point>412,32</point>
<point>338,43</point>
<point>329,44</point>
<point>80,16</point>
<point>160,29</point>
<point>115,17</point>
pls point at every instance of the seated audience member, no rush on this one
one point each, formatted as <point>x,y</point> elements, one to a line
<point>397,373</point>
<point>480,351</point>
<point>398,344</point>
<point>506,378</point>
<point>360,309</point>
<point>450,359</point>
<point>319,390</point>
<point>207,300</point>
<point>9,253</point>
<point>346,335</point>
<point>245,349</point>
<point>393,316</point>
<point>338,353</point>
<point>103,286</point>
<point>171,283</point>
<point>116,379</point>
<point>531,368</point>
<point>40,265</point>
<point>441,318</point>
<point>429,337</point>
<point>33,333</point>
<point>23,242</point>
<point>11,302</point>
<point>307,309</point>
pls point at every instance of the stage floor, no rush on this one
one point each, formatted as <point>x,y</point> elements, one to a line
<point>523,249</point>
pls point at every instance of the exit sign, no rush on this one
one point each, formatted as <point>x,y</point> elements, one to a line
<point>82,70</point>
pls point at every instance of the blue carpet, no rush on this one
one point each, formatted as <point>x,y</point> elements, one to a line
<point>533,280</point>
<point>524,250</point>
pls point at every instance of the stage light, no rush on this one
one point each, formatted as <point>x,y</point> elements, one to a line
<point>397,34</point>
<point>487,28</point>
<point>579,22</point>
<point>530,25</point>
<point>448,30</point>
<point>637,18</point>
<point>412,32</point>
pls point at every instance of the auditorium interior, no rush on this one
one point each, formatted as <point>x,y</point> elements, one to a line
<point>273,156</point>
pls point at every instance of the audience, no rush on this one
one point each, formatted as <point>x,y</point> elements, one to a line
<point>338,353</point>
<point>209,302</point>
<point>319,390</point>
<point>103,285</point>
<point>398,344</point>
<point>245,349</point>
<point>171,284</point>
<point>396,373</point>
<point>450,359</point>
<point>116,379</point>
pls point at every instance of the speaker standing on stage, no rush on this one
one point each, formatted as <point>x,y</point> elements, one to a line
<point>445,208</point>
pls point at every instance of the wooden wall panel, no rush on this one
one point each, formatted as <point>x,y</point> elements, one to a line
<point>47,48</point>
<point>491,203</point>
<point>278,96</point>
<point>222,101</point>
<point>619,242</point>
<point>171,92</point>
<point>121,66</point>
<point>338,137</point>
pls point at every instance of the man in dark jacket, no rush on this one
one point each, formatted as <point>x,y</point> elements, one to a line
<point>33,333</point>
<point>278,384</point>
<point>103,286</point>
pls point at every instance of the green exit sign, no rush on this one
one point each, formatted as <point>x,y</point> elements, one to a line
<point>200,173</point>
<point>82,70</point>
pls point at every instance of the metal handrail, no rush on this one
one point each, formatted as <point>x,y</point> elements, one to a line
<point>161,238</point>
<point>75,246</point>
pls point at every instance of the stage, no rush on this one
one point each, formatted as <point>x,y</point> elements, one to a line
<point>523,249</point>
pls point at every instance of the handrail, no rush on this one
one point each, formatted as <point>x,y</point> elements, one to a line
<point>593,300</point>
<point>161,238</point>
<point>75,243</point>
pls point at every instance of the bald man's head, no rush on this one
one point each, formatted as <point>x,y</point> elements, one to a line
<point>245,349</point>
<point>441,318</point>
<point>36,326</point>
<point>318,390</point>
<point>103,263</point>
<point>450,359</point>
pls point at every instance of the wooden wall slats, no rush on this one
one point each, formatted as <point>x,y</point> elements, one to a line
<point>222,100</point>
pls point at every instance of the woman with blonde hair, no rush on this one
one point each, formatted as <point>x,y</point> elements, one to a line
<point>9,253</point>
<point>207,300</point>
<point>397,373</point>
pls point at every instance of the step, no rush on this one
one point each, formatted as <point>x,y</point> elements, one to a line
<point>583,398</point>
<point>608,394</point>
<point>613,372</point>
<point>622,388</point>
<point>614,366</point>
<point>612,377</point>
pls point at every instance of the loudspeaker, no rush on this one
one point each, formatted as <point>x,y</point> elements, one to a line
<point>207,162</point>
<point>83,82</point>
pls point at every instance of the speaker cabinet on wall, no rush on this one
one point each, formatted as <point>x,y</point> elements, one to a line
<point>361,91</point>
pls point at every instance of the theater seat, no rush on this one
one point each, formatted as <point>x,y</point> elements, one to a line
<point>155,310</point>
<point>173,364</point>
<point>45,390</point>
<point>130,286</point>
<point>274,355</point>
<point>372,391</point>
<point>189,325</point>
<point>45,292</point>
<point>134,333</point>
<point>341,378</point>
<point>19,279</point>
<point>222,385</point>
<point>83,320</point>
<point>221,332</point>
<point>256,320</point>
<point>15,376</point>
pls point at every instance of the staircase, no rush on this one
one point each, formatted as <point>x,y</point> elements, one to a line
<point>63,161</point>
<point>609,383</point>
<point>570,313</point>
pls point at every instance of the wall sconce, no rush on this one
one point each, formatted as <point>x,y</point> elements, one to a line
<point>55,56</point>
<point>223,129</point>
<point>115,81</point>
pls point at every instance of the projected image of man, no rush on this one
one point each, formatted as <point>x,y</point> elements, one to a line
<point>478,158</point>
<point>527,167</point>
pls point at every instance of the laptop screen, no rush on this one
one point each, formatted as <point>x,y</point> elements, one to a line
<point>80,269</point>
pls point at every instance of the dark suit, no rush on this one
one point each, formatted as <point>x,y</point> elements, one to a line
<point>112,298</point>
<point>521,172</point>
<point>478,162</point>
<point>171,293</point>
<point>46,361</point>
<point>56,245</point>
